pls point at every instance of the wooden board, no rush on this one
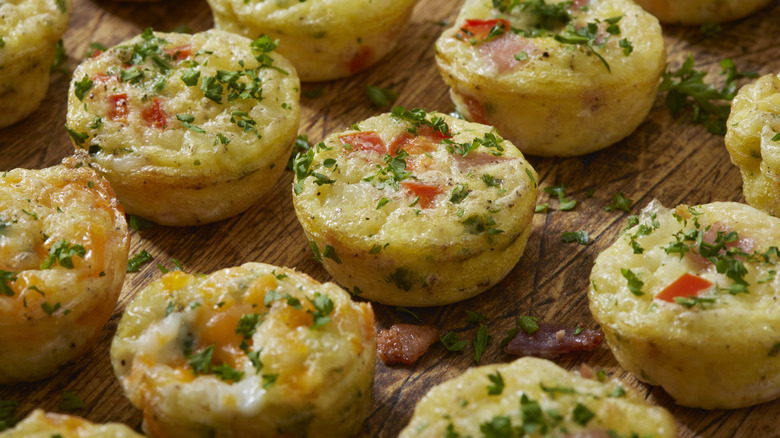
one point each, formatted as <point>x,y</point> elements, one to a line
<point>666,158</point>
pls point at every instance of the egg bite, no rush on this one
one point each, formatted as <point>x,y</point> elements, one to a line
<point>415,208</point>
<point>29,30</point>
<point>188,129</point>
<point>555,78</point>
<point>688,300</point>
<point>753,141</point>
<point>249,351</point>
<point>40,424</point>
<point>531,397</point>
<point>63,256</point>
<point>701,11</point>
<point>324,39</point>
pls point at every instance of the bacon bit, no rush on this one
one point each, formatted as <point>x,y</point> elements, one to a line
<point>363,59</point>
<point>180,52</point>
<point>544,343</point>
<point>685,286</point>
<point>477,29</point>
<point>405,343</point>
<point>368,141</point>
<point>117,106</point>
<point>586,372</point>
<point>502,50</point>
<point>426,192</point>
<point>154,115</point>
<point>476,111</point>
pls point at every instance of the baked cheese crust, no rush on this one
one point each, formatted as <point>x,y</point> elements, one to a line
<point>29,30</point>
<point>40,424</point>
<point>249,351</point>
<point>753,141</point>
<point>324,39</point>
<point>63,257</point>
<point>188,129</point>
<point>533,397</point>
<point>561,86</point>
<point>688,299</point>
<point>701,11</point>
<point>420,218</point>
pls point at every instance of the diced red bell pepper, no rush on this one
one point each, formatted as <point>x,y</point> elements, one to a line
<point>687,285</point>
<point>368,141</point>
<point>362,60</point>
<point>477,29</point>
<point>117,106</point>
<point>154,115</point>
<point>180,52</point>
<point>426,192</point>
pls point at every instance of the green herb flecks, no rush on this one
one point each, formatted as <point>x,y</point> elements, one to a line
<point>63,252</point>
<point>138,260</point>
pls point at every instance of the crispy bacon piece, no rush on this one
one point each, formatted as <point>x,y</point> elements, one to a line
<point>405,343</point>
<point>553,340</point>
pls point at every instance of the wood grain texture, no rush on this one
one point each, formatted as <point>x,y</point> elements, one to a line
<point>666,158</point>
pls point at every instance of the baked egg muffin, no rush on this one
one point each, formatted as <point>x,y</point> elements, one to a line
<point>63,257</point>
<point>40,424</point>
<point>753,141</point>
<point>324,39</point>
<point>415,208</point>
<point>559,78</point>
<point>701,11</point>
<point>188,129</point>
<point>29,30</point>
<point>533,397</point>
<point>249,351</point>
<point>688,300</point>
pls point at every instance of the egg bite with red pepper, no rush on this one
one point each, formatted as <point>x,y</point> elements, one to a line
<point>29,31</point>
<point>40,424</point>
<point>753,141</point>
<point>249,351</point>
<point>532,395</point>
<point>415,208</point>
<point>188,129</point>
<point>689,300</point>
<point>701,11</point>
<point>324,39</point>
<point>63,257</point>
<point>559,78</point>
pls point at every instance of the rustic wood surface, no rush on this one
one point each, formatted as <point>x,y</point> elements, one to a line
<point>666,158</point>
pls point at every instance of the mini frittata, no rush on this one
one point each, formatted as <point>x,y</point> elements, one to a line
<point>250,351</point>
<point>701,11</point>
<point>533,397</point>
<point>40,424</point>
<point>63,258</point>
<point>415,208</point>
<point>188,129</point>
<point>753,141</point>
<point>557,78</point>
<point>689,300</point>
<point>324,39</point>
<point>29,31</point>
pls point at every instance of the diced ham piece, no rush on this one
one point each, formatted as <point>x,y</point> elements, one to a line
<point>405,343</point>
<point>745,244</point>
<point>476,111</point>
<point>502,50</point>
<point>549,342</point>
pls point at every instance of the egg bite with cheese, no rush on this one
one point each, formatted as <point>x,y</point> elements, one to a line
<point>40,424</point>
<point>248,351</point>
<point>63,256</point>
<point>695,12</point>
<point>556,79</point>
<point>529,396</point>
<point>753,141</point>
<point>324,39</point>
<point>415,208</point>
<point>29,30</point>
<point>689,300</point>
<point>188,129</point>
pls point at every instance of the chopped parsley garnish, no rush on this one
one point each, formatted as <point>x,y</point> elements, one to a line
<point>273,296</point>
<point>300,146</point>
<point>580,237</point>
<point>497,386</point>
<point>529,324</point>
<point>5,278</point>
<point>392,173</point>
<point>49,308</point>
<point>480,342</point>
<point>451,341</point>
<point>582,415</point>
<point>418,116</point>
<point>689,302</point>
<point>248,323</point>
<point>316,250</point>
<point>8,414</point>
<point>564,204</point>
<point>407,311</point>
<point>323,306</point>
<point>489,141</point>
<point>491,181</point>
<point>330,253</point>
<point>588,35</point>
<point>78,137</point>
<point>459,193</point>
<point>382,202</point>
<point>254,357</point>
<point>138,260</point>
<point>634,283</point>
<point>190,77</point>
<point>138,223</point>
<point>474,317</point>
<point>71,402</point>
<point>477,224</point>
<point>226,372</point>
<point>618,392</point>
<point>200,362</point>
<point>63,252</point>
<point>269,380</point>
<point>244,121</point>
<point>380,97</point>
<point>619,202</point>
<point>186,121</point>
<point>81,88</point>
<point>60,62</point>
